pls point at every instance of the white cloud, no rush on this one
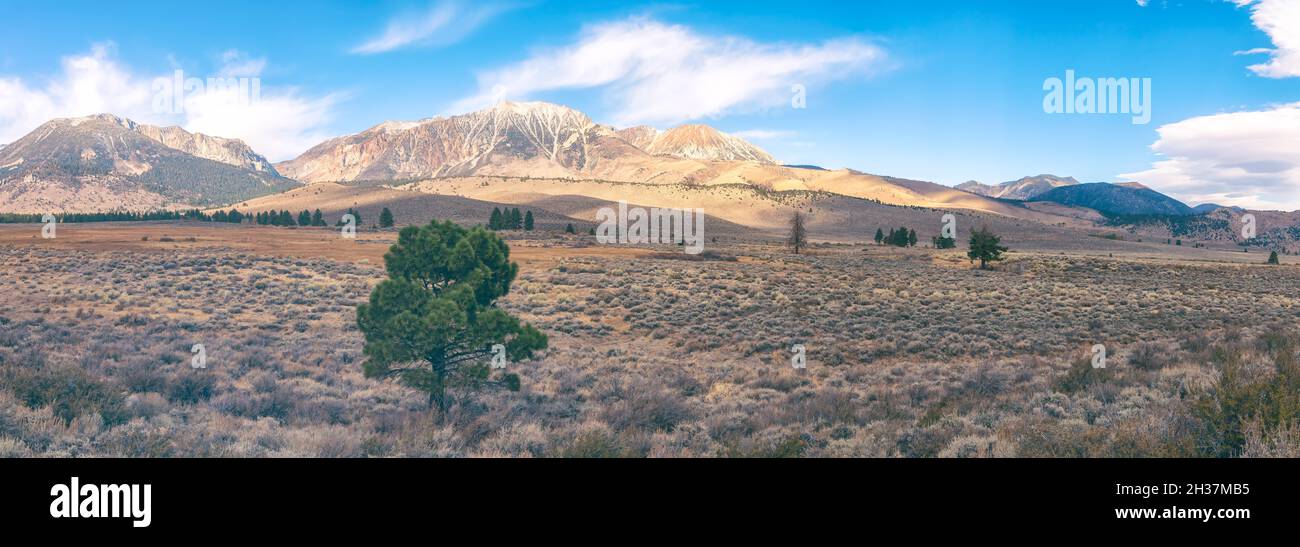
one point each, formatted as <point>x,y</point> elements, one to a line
<point>279,124</point>
<point>1248,159</point>
<point>90,83</point>
<point>235,63</point>
<point>658,73</point>
<point>443,23</point>
<point>1280,19</point>
<point>763,134</point>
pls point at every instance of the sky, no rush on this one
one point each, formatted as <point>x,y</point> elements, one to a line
<point>945,91</point>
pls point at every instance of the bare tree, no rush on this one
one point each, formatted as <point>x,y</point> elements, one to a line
<point>798,236</point>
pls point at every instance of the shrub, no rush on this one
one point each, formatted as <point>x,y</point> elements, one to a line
<point>190,387</point>
<point>69,391</point>
<point>650,409</point>
<point>593,443</point>
<point>1147,356</point>
<point>1270,403</point>
<point>1081,376</point>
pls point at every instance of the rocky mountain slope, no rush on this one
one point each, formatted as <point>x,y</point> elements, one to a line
<point>1023,189</point>
<point>701,142</point>
<point>228,151</point>
<point>517,139</point>
<point>104,162</point>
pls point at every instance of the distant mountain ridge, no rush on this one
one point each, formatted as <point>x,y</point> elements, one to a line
<point>1024,189</point>
<point>701,142</point>
<point>105,162</point>
<point>519,139</point>
<point>228,151</point>
<point>1116,200</point>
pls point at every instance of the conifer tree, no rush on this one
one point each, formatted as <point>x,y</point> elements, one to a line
<point>433,324</point>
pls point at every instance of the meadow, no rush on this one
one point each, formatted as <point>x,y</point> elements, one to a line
<point>653,353</point>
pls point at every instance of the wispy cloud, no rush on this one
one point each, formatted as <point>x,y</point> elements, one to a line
<point>1280,19</point>
<point>280,124</point>
<point>237,64</point>
<point>660,73</point>
<point>441,24</point>
<point>763,134</point>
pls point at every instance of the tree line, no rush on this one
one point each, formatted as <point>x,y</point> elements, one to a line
<point>121,216</point>
<point>510,219</point>
<point>233,216</point>
<point>901,237</point>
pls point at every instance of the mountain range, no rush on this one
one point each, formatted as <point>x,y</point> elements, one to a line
<point>1116,199</point>
<point>516,153</point>
<point>525,139</point>
<point>105,162</point>
<point>1023,189</point>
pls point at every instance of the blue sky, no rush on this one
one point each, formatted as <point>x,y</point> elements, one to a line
<point>943,90</point>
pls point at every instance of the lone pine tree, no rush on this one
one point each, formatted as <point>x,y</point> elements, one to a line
<point>985,247</point>
<point>434,322</point>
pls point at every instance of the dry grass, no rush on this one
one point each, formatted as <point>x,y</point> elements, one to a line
<point>908,355</point>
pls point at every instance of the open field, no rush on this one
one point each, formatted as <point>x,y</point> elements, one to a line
<point>910,352</point>
<point>304,243</point>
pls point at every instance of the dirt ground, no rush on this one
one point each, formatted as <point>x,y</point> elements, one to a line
<point>306,243</point>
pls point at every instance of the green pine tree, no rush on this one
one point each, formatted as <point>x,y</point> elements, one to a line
<point>985,247</point>
<point>494,223</point>
<point>899,237</point>
<point>880,236</point>
<point>385,218</point>
<point>528,221</point>
<point>433,323</point>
